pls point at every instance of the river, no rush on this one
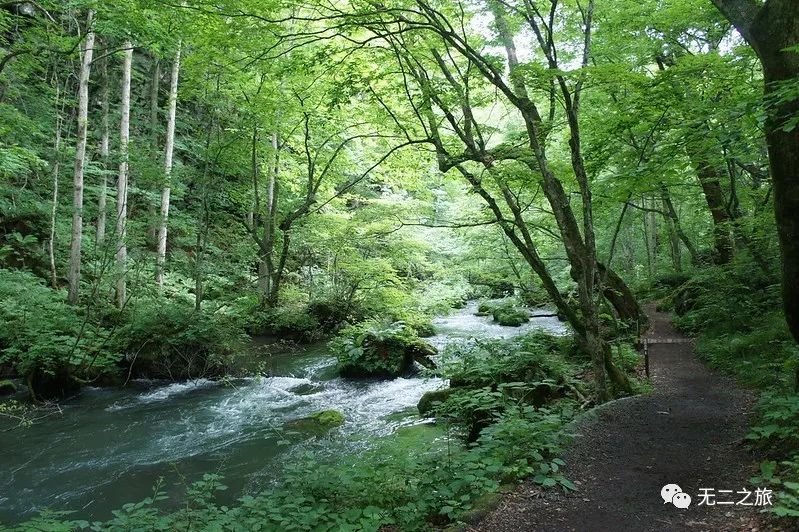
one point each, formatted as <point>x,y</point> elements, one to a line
<point>109,446</point>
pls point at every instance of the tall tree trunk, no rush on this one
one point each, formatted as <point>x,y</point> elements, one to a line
<point>674,243</point>
<point>155,87</point>
<point>56,171</point>
<point>199,258</point>
<point>154,224</point>
<point>105,136</point>
<point>677,226</point>
<point>80,156</point>
<point>169,151</point>
<point>619,295</point>
<point>770,29</point>
<point>710,179</point>
<point>122,180</point>
<point>270,225</point>
<point>647,240</point>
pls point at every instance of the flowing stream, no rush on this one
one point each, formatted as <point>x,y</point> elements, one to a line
<point>109,446</point>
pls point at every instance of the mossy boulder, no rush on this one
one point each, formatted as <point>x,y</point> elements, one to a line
<point>508,311</point>
<point>430,400</point>
<point>485,308</point>
<point>7,388</point>
<point>318,422</point>
<point>384,354</point>
<point>421,325</point>
<point>481,508</point>
<point>511,317</point>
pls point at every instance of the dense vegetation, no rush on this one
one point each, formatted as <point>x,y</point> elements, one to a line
<point>176,178</point>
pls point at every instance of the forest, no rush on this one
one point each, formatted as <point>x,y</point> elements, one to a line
<point>399,264</point>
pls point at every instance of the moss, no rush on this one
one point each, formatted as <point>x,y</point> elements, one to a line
<point>430,400</point>
<point>331,418</point>
<point>481,507</point>
<point>318,422</point>
<point>485,308</point>
<point>383,354</point>
<point>7,387</point>
<point>513,317</point>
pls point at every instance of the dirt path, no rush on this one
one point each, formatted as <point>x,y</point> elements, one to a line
<point>687,432</point>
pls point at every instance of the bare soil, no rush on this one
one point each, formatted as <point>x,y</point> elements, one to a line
<point>689,432</point>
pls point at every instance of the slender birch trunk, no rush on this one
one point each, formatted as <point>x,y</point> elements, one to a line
<point>274,277</point>
<point>56,171</point>
<point>168,153</point>
<point>153,223</point>
<point>122,180</point>
<point>80,155</point>
<point>105,135</point>
<point>155,87</point>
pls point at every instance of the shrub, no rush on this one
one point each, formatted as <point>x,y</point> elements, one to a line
<point>489,377</point>
<point>292,322</point>
<point>508,311</point>
<point>46,341</point>
<point>172,340</point>
<point>380,349</point>
<point>330,313</point>
<point>777,433</point>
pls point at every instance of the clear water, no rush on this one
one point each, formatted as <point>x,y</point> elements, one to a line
<point>110,446</point>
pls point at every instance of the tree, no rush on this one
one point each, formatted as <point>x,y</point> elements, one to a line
<point>105,151</point>
<point>443,67</point>
<point>80,156</point>
<point>772,29</point>
<point>168,154</point>
<point>122,179</point>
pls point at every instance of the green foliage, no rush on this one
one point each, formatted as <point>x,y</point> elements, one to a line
<point>506,311</point>
<point>777,433</point>
<point>490,378</point>
<point>290,321</point>
<point>379,349</point>
<point>736,310</point>
<point>530,358</point>
<point>170,339</point>
<point>42,335</point>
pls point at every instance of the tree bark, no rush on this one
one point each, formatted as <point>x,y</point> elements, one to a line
<point>80,156</point>
<point>105,136</point>
<point>677,226</point>
<point>54,210</point>
<point>155,87</point>
<point>168,154</point>
<point>710,179</point>
<point>270,224</point>
<point>154,223</point>
<point>122,180</point>
<point>619,295</point>
<point>770,29</point>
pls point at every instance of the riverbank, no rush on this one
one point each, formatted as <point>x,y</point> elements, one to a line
<point>109,446</point>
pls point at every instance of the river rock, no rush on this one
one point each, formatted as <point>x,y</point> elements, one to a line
<point>319,422</point>
<point>430,400</point>
<point>7,388</point>
<point>389,358</point>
